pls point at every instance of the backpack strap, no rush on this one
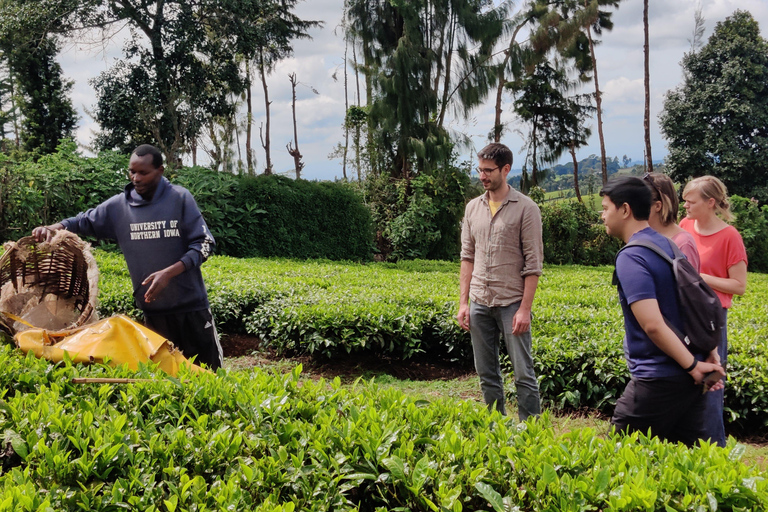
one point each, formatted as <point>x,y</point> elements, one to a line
<point>658,250</point>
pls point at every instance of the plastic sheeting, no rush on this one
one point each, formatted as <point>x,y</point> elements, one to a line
<point>115,340</point>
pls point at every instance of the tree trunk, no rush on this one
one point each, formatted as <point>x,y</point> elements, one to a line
<point>497,126</point>
<point>576,173</point>
<point>647,82</point>
<point>249,120</point>
<point>295,153</point>
<point>357,125</point>
<point>346,109</point>
<point>265,136</point>
<point>447,79</point>
<point>599,105</point>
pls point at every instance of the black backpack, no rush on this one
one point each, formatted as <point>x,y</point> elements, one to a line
<point>700,308</point>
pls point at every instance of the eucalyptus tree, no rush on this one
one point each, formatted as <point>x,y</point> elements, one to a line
<point>555,117</point>
<point>267,35</point>
<point>647,88</point>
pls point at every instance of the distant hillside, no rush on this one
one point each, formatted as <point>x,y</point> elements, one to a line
<point>560,177</point>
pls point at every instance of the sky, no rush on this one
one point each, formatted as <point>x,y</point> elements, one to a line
<point>318,64</point>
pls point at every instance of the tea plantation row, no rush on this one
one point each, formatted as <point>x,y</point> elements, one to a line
<point>405,309</point>
<point>264,442</point>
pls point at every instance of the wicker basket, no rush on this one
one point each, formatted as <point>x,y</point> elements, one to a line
<point>62,273</point>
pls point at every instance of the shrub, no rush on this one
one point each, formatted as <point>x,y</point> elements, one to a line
<point>260,441</point>
<point>303,219</point>
<point>752,223</point>
<point>407,309</point>
<point>573,233</point>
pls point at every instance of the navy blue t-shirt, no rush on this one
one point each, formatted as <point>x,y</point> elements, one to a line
<point>643,274</point>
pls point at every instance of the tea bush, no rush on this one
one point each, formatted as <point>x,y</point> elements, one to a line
<point>260,441</point>
<point>407,309</point>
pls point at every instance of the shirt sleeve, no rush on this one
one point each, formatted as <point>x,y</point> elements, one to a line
<point>532,243</point>
<point>634,276</point>
<point>467,240</point>
<point>201,243</point>
<point>93,222</point>
<point>735,250</point>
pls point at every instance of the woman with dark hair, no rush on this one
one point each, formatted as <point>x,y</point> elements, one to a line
<point>663,217</point>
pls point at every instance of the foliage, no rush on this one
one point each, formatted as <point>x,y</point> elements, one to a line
<point>420,59</point>
<point>301,219</point>
<point>752,223</point>
<point>556,120</point>
<point>716,121</point>
<point>248,216</point>
<point>47,114</point>
<point>258,441</point>
<point>429,228</point>
<point>55,186</point>
<point>407,309</point>
<point>180,62</point>
<point>573,233</point>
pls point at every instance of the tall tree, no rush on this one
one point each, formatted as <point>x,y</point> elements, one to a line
<point>422,59</point>
<point>647,87</point>
<point>180,64</point>
<point>716,121</point>
<point>269,31</point>
<point>555,118</point>
<point>568,25</point>
<point>41,92</point>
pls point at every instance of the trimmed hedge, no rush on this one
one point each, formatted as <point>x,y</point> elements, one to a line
<point>303,219</point>
<point>407,309</point>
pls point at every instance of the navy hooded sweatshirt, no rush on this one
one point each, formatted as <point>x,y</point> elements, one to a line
<point>154,235</point>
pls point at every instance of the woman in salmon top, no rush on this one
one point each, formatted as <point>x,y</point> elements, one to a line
<point>723,266</point>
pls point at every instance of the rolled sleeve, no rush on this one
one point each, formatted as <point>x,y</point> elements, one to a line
<point>467,240</point>
<point>531,242</point>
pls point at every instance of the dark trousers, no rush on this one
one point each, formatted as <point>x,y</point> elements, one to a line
<point>672,408</point>
<point>193,333</point>
<point>714,427</point>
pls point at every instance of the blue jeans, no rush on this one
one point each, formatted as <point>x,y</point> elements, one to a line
<point>486,324</point>
<point>714,428</point>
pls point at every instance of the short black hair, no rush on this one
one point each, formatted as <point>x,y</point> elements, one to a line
<point>499,153</point>
<point>630,190</point>
<point>148,149</point>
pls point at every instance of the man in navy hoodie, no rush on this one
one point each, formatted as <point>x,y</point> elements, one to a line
<point>165,240</point>
<point>665,391</point>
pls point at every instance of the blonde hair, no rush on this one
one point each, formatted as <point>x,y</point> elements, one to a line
<point>663,189</point>
<point>712,188</point>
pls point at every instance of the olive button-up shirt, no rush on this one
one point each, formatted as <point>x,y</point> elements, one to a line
<point>505,247</point>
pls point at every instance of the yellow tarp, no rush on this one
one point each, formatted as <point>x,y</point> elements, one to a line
<point>118,339</point>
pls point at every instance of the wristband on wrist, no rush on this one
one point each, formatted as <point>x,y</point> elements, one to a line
<point>693,365</point>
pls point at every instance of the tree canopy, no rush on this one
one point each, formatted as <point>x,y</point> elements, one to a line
<point>716,121</point>
<point>181,63</point>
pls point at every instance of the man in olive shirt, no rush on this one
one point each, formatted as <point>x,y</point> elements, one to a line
<point>501,260</point>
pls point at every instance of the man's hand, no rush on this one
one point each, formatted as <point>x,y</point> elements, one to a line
<point>157,281</point>
<point>463,317</point>
<point>702,369</point>
<point>521,322</point>
<point>45,233</point>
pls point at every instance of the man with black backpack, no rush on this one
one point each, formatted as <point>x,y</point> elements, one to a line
<point>665,394</point>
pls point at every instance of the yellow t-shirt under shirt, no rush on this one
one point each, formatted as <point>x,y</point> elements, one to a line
<point>494,206</point>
